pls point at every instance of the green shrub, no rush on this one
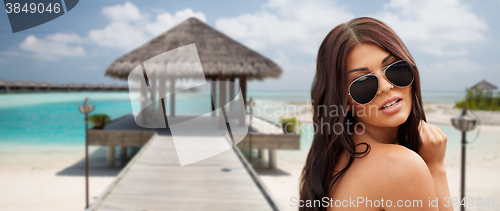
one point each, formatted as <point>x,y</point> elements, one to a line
<point>99,120</point>
<point>479,100</point>
<point>289,125</point>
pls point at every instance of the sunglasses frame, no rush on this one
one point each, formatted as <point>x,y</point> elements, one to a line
<point>378,80</point>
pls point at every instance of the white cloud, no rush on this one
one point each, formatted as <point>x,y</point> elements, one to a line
<point>118,35</point>
<point>299,25</point>
<point>293,30</point>
<point>435,27</point>
<point>126,12</point>
<point>450,74</point>
<point>53,46</point>
<point>451,66</point>
<point>129,28</point>
<point>165,20</point>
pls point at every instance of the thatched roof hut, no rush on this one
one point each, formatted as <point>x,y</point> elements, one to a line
<point>221,57</point>
<point>4,85</point>
<point>17,83</point>
<point>100,87</point>
<point>42,84</point>
<point>88,86</point>
<point>219,54</point>
<point>31,84</point>
<point>484,85</point>
<point>113,87</point>
<point>54,85</point>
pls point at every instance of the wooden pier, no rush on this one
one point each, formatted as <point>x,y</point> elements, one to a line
<point>155,180</point>
<point>123,133</point>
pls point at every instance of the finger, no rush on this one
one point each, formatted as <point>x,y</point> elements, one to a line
<point>440,133</point>
<point>426,130</point>
<point>434,132</point>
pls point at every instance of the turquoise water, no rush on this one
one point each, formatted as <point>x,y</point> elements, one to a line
<point>53,118</point>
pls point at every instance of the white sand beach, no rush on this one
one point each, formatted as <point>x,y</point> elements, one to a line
<point>51,178</point>
<point>48,178</point>
<point>482,166</point>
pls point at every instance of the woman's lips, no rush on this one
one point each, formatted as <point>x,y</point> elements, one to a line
<point>394,108</point>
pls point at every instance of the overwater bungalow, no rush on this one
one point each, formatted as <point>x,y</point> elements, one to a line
<point>55,86</point>
<point>72,87</point>
<point>31,86</point>
<point>17,85</point>
<point>222,59</point>
<point>88,87</point>
<point>100,87</point>
<point>3,86</point>
<point>43,86</point>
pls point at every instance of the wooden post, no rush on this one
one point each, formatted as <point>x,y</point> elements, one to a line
<point>243,85</point>
<point>222,101</point>
<point>273,161</point>
<point>260,154</point>
<point>213,91</point>
<point>123,151</point>
<point>111,155</point>
<point>162,88</point>
<point>144,95</point>
<point>231,91</point>
<point>172,97</point>
<point>154,88</point>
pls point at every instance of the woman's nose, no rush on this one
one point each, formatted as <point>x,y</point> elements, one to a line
<point>383,84</point>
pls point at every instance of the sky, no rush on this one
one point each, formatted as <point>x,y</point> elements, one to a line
<point>455,43</point>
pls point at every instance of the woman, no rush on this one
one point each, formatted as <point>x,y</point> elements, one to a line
<point>380,154</point>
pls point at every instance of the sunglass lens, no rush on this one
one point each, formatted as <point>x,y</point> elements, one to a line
<point>399,74</point>
<point>364,89</point>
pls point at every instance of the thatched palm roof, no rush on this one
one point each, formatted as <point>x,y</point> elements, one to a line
<point>17,83</point>
<point>88,86</point>
<point>54,85</point>
<point>31,84</point>
<point>72,85</point>
<point>485,85</point>
<point>219,54</point>
<point>43,84</point>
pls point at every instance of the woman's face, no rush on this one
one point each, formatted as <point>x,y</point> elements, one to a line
<point>367,57</point>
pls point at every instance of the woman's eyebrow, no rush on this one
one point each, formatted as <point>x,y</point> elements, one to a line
<point>386,58</point>
<point>365,68</point>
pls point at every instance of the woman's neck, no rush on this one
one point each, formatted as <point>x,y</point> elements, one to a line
<point>384,135</point>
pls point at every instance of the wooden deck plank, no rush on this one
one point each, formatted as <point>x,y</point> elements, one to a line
<point>156,181</point>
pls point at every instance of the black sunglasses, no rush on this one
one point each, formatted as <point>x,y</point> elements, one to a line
<point>364,89</point>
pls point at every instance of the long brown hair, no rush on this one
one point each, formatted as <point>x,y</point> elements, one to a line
<point>329,89</point>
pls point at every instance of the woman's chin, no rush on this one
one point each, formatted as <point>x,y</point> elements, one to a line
<point>391,121</point>
<point>396,120</point>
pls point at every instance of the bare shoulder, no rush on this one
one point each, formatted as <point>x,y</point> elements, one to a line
<point>389,164</point>
<point>390,157</point>
<point>397,173</point>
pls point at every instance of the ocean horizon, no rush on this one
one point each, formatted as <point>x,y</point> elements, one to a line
<point>54,119</point>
